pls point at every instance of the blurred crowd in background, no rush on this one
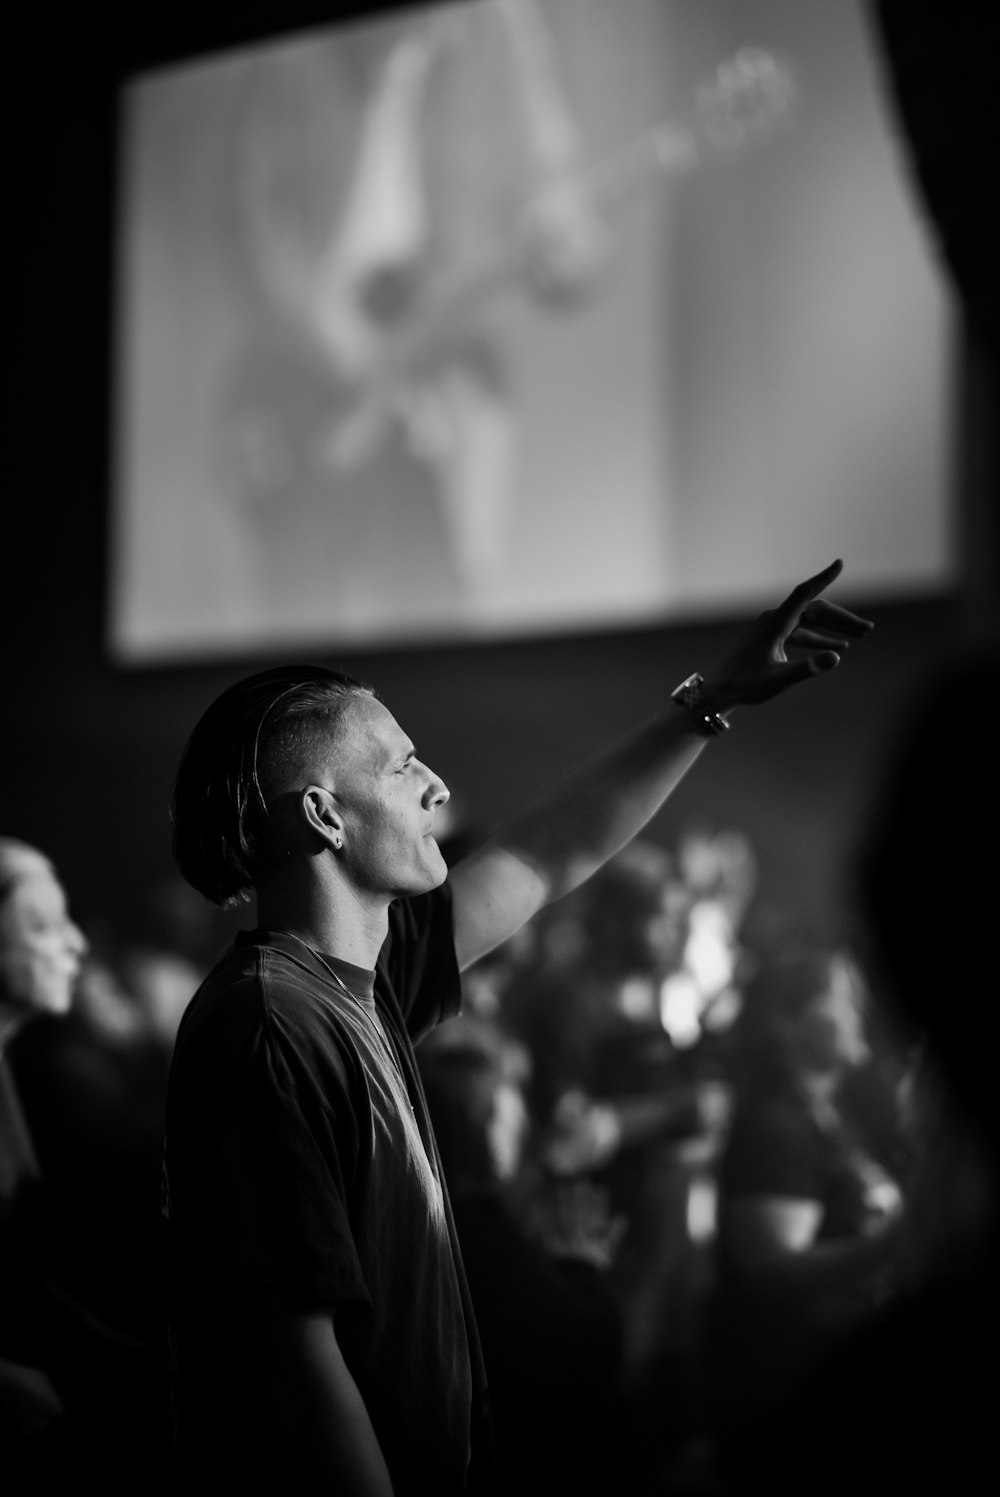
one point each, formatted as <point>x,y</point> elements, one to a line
<point>692,1153</point>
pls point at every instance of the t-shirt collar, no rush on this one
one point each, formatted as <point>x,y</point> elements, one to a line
<point>359,981</point>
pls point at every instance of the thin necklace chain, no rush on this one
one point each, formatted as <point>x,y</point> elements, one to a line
<point>374,1022</point>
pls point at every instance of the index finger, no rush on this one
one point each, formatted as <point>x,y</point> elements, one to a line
<point>813,586</point>
<point>806,591</point>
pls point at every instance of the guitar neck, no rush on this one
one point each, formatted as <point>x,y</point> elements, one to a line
<point>749,94</point>
<point>605,185</point>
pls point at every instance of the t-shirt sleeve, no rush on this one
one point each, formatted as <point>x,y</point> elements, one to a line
<point>302,1141</point>
<point>419,960</point>
<point>268,1172</point>
<point>771,1153</point>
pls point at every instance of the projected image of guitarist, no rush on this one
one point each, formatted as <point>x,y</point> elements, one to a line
<point>410,325</point>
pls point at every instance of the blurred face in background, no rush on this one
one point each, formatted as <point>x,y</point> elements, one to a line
<point>665,928</point>
<point>41,949</point>
<point>642,931</point>
<point>507,1128</point>
<point>829,1034</point>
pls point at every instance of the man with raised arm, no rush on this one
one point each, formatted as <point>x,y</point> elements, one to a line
<point>322,1332</point>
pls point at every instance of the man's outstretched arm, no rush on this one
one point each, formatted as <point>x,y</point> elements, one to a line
<point>563,836</point>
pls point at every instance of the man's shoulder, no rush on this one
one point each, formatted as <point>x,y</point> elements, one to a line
<point>254,985</point>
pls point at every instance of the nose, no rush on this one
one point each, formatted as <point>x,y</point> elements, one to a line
<point>76,940</point>
<point>436,792</point>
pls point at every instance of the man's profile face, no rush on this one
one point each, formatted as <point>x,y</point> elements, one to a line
<point>388,800</point>
<point>41,949</point>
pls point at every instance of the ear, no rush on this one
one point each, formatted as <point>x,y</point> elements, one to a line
<point>319,807</point>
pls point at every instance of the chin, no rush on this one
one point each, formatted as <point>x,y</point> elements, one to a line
<point>38,1004</point>
<point>430,876</point>
<point>57,1002</point>
<point>436,876</point>
<point>438,865</point>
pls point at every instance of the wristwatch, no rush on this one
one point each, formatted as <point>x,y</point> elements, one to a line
<point>690,694</point>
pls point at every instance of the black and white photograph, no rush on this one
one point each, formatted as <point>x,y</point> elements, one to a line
<point>498,818</point>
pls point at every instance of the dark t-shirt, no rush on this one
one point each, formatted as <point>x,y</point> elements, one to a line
<point>763,1344</point>
<point>777,1148</point>
<point>301,1175</point>
<point>552,1338</point>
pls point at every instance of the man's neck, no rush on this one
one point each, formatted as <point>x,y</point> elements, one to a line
<point>332,921</point>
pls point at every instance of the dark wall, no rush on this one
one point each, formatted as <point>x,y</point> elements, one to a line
<point>92,759</point>
<point>89,749</point>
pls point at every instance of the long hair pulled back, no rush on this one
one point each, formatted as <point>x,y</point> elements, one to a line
<point>219,804</point>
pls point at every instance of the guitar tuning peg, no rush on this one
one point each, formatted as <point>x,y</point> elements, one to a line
<point>748,93</point>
